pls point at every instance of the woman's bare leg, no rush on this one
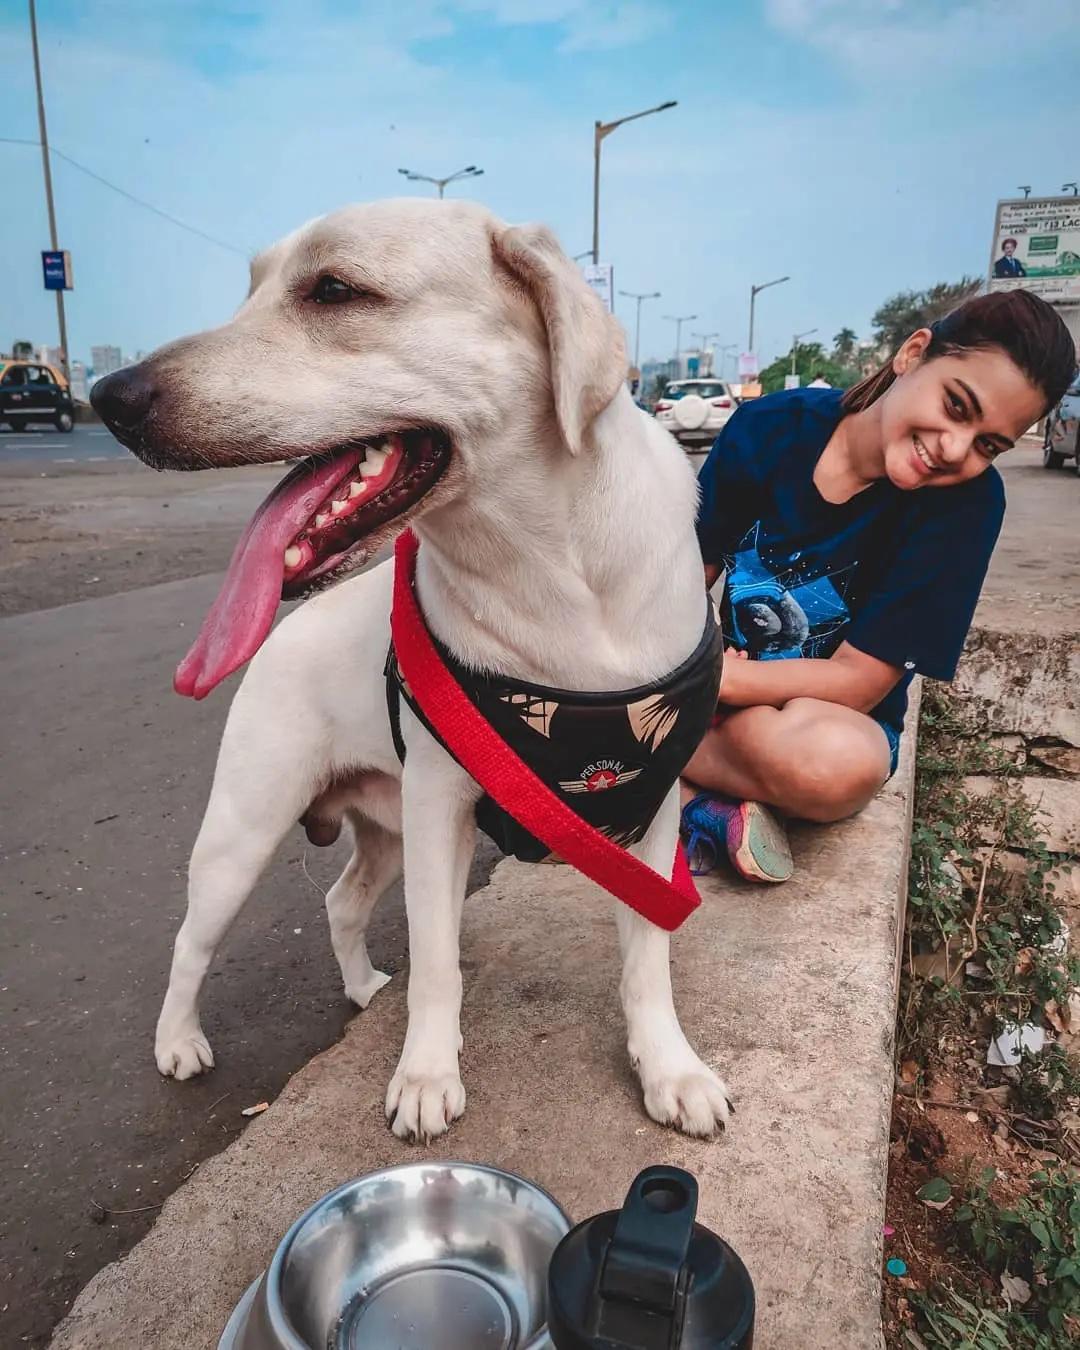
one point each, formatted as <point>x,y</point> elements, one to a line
<point>810,759</point>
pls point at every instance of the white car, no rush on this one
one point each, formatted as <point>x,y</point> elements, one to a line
<point>1061,439</point>
<point>694,411</point>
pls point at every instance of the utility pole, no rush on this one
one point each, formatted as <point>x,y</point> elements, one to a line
<point>633,295</point>
<point>678,320</point>
<point>60,317</point>
<point>753,296</point>
<point>600,130</point>
<point>471,171</point>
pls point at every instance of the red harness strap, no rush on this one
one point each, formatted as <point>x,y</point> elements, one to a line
<point>509,781</point>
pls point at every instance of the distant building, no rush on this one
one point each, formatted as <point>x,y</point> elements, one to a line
<point>653,370</point>
<point>105,360</point>
<point>79,386</point>
<point>51,356</point>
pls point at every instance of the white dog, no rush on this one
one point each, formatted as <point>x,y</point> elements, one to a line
<point>445,369</point>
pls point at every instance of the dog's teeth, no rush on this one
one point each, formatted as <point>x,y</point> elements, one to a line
<point>373,464</point>
<point>321,519</point>
<point>336,508</point>
<point>293,556</point>
<point>357,489</point>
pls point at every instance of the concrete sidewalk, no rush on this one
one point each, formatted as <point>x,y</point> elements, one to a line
<point>790,992</point>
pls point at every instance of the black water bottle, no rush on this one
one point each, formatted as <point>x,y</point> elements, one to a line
<point>647,1277</point>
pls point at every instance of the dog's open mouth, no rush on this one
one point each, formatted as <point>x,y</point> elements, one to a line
<point>317,517</point>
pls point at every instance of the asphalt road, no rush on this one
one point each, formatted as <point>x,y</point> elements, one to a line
<point>106,775</point>
<point>84,444</point>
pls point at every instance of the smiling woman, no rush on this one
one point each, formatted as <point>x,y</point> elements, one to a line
<point>847,573</point>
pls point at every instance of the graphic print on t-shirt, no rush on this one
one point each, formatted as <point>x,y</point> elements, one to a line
<point>781,611</point>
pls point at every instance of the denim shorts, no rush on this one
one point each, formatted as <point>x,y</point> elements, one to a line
<point>892,735</point>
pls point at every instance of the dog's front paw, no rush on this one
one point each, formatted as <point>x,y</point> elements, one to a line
<point>695,1101</point>
<point>420,1107</point>
<point>183,1054</point>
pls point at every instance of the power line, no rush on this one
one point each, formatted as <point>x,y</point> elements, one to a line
<point>148,206</point>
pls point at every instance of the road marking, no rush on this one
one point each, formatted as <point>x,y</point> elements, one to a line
<point>100,433</point>
<point>65,461</point>
<point>97,459</point>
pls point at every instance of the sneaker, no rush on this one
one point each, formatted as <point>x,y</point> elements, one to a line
<point>754,839</point>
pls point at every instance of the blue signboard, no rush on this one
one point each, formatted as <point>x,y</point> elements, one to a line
<point>56,266</point>
<point>693,365</point>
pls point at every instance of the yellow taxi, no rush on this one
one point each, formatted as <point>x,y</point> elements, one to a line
<point>33,391</point>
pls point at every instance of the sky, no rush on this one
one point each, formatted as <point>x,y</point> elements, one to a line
<point>857,146</point>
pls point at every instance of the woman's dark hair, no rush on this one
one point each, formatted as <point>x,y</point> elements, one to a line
<point>1025,328</point>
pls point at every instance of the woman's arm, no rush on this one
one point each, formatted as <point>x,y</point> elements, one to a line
<point>849,677</point>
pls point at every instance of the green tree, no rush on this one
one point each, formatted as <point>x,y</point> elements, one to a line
<point>907,311</point>
<point>811,359</point>
<point>844,346</point>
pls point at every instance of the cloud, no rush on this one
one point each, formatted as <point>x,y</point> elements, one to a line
<point>588,25</point>
<point>957,39</point>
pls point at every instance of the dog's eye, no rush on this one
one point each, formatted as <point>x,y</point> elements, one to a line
<point>332,291</point>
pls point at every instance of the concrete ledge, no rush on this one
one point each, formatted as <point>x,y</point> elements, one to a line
<point>789,991</point>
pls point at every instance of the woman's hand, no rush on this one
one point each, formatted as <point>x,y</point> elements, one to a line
<point>730,675</point>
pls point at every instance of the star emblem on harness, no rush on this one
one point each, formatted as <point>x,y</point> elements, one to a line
<point>601,776</point>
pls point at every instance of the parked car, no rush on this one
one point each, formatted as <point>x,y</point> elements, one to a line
<point>1061,440</point>
<point>694,411</point>
<point>31,391</point>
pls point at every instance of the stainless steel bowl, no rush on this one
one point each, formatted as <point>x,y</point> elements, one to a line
<point>428,1256</point>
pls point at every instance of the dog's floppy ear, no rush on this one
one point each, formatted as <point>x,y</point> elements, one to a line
<point>588,358</point>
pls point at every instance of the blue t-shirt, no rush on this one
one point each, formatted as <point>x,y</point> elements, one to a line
<point>896,574</point>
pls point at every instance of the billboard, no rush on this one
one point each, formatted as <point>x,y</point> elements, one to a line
<point>1036,246</point>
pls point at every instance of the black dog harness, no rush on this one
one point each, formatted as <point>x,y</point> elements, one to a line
<point>611,757</point>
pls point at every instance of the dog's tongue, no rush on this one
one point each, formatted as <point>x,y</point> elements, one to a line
<point>243,613</point>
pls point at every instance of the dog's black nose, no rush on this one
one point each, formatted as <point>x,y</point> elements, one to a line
<point>123,399</point>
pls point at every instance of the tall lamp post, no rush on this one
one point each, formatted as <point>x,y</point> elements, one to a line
<point>600,130</point>
<point>442,183</point>
<point>728,347</point>
<point>633,295</point>
<point>678,320</point>
<point>795,345</point>
<point>60,316</point>
<point>754,290</point>
<point>704,339</point>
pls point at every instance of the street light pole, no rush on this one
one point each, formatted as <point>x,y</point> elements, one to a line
<point>678,320</point>
<point>441,183</point>
<point>704,339</point>
<point>600,130</point>
<point>753,296</point>
<point>795,345</point>
<point>728,347</point>
<point>60,316</point>
<point>633,295</point>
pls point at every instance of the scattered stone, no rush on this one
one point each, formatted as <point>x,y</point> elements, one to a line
<point>1062,758</point>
